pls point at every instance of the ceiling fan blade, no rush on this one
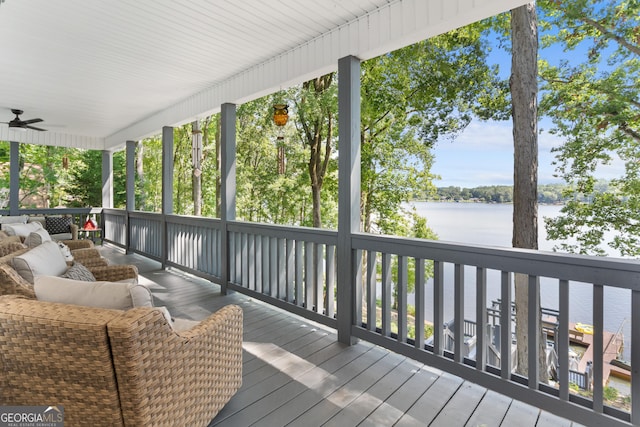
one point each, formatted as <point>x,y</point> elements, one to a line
<point>28,122</point>
<point>34,128</point>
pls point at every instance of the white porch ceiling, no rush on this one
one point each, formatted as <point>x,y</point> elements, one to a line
<point>103,72</point>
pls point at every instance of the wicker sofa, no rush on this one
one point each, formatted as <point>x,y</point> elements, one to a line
<point>113,368</point>
<point>12,283</point>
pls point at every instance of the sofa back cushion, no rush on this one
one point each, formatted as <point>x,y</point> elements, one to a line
<point>22,230</point>
<point>43,260</point>
<point>115,295</point>
<point>16,219</point>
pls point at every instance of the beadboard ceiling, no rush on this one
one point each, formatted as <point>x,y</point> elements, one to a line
<point>103,72</point>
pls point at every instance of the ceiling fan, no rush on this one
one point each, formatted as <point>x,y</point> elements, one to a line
<point>19,124</point>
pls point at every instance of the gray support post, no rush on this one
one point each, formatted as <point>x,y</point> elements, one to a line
<point>14,178</point>
<point>107,179</point>
<point>131,175</point>
<point>167,170</point>
<point>228,187</point>
<point>348,190</point>
<point>130,186</point>
<point>167,186</point>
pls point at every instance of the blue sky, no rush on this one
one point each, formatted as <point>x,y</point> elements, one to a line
<point>483,153</point>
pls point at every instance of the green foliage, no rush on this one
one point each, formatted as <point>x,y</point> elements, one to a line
<point>610,393</point>
<point>411,98</point>
<point>547,193</point>
<point>592,101</point>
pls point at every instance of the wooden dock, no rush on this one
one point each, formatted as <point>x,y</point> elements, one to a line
<point>613,343</point>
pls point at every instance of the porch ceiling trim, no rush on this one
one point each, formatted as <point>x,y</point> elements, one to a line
<point>396,24</point>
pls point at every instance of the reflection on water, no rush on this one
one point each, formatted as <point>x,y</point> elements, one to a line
<point>491,225</point>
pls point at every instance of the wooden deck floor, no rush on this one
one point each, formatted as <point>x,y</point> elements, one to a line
<point>295,373</point>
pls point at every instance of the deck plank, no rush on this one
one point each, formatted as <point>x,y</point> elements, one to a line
<point>296,373</point>
<point>367,402</point>
<point>392,409</point>
<point>491,410</point>
<point>521,414</point>
<point>461,406</point>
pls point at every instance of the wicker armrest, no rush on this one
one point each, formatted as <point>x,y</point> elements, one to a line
<point>10,247</point>
<point>89,257</point>
<point>113,273</point>
<point>73,228</point>
<point>91,262</point>
<point>78,244</point>
<point>7,258</point>
<point>195,373</point>
<point>11,283</point>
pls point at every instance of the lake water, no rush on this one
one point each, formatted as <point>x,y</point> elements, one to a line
<point>490,225</point>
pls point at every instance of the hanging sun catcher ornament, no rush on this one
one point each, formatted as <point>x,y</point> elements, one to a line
<point>280,117</point>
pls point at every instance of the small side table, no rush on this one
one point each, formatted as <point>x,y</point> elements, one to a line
<point>90,233</point>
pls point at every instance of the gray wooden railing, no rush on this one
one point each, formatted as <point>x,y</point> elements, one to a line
<point>295,269</point>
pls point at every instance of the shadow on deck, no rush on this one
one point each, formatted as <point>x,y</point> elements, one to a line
<point>296,373</point>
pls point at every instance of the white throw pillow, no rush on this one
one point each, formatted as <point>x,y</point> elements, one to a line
<point>22,230</point>
<point>43,260</point>
<point>115,295</point>
<point>36,238</point>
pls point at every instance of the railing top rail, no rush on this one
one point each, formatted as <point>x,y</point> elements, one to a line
<point>54,211</point>
<point>617,272</point>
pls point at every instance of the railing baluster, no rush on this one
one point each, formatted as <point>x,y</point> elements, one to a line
<point>259,270</point>
<point>533,300</point>
<point>598,328</point>
<point>419,303</point>
<point>386,294</point>
<point>237,258</point>
<point>243,261</point>
<point>438,306</point>
<point>308,275</point>
<point>266,267</point>
<point>562,339</point>
<point>299,273</point>
<point>458,309</point>
<point>481,318</point>
<point>291,279</point>
<point>402,299</point>
<point>318,284</point>
<point>371,290</point>
<point>251,259</point>
<point>357,283</point>
<point>505,325</point>
<point>282,269</point>
<point>331,280</point>
<point>273,267</point>
<point>232,264</point>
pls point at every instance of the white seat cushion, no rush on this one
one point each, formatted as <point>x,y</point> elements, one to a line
<point>43,260</point>
<point>115,295</point>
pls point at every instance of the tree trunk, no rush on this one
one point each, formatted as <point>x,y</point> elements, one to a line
<point>524,93</point>
<point>314,128</point>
